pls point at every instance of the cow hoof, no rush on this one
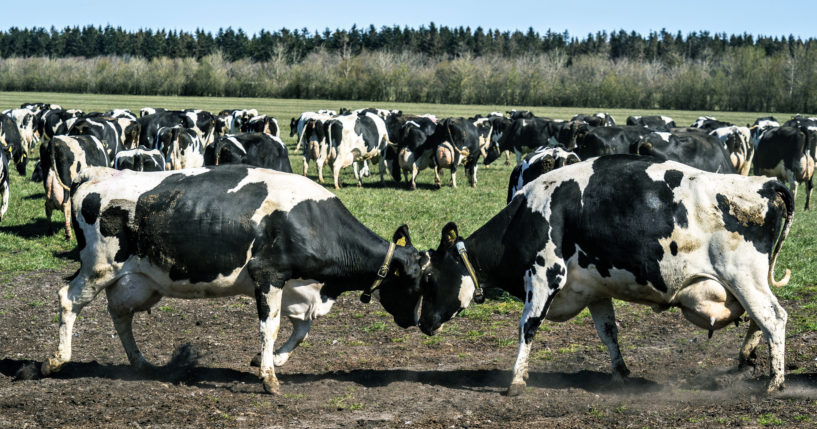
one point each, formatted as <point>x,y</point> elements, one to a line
<point>256,360</point>
<point>516,389</point>
<point>51,366</point>
<point>272,386</point>
<point>280,359</point>
<point>774,386</point>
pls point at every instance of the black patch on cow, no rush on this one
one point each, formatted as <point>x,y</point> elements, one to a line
<point>181,207</point>
<point>673,178</point>
<point>554,276</point>
<point>761,232</point>
<point>540,260</point>
<point>673,248</point>
<point>531,326</point>
<point>532,270</point>
<point>90,207</point>
<point>565,204</point>
<point>113,222</point>
<point>530,296</point>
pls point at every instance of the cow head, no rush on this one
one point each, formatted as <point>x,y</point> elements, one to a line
<point>400,290</point>
<point>293,127</point>
<point>448,284</point>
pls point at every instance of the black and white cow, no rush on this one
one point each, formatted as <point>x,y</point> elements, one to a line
<point>608,140</point>
<point>181,147</point>
<point>241,117</point>
<point>415,152</point>
<point>525,135</point>
<point>256,149</point>
<point>537,163</point>
<point>140,159</point>
<point>655,123</point>
<point>738,144</point>
<point>145,111</point>
<point>571,239</point>
<point>356,138</point>
<point>61,160</point>
<point>56,122</point>
<point>4,184</point>
<point>116,134</point>
<point>150,125</point>
<point>760,126</point>
<point>690,146</point>
<point>144,236</point>
<point>121,113</point>
<point>26,120</point>
<point>456,142</point>
<point>520,114</point>
<point>12,143</point>
<point>709,123</point>
<point>600,119</point>
<point>788,153</point>
<point>262,124</point>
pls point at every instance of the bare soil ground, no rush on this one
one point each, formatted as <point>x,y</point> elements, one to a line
<point>358,369</point>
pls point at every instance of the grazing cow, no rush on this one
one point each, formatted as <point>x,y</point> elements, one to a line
<point>256,149</point>
<point>26,124</point>
<point>455,141</point>
<point>55,122</point>
<point>4,183</point>
<point>760,126</point>
<point>355,138</point>
<point>738,144</point>
<point>61,160</point>
<point>12,143</point>
<point>692,146</point>
<point>140,159</point>
<point>262,124</point>
<point>600,119</point>
<point>537,163</point>
<point>145,111</point>
<point>655,123</point>
<point>709,123</point>
<point>524,136</point>
<point>116,134</point>
<point>678,237</point>
<point>788,153</point>
<point>608,140</point>
<point>121,113</point>
<point>181,147</point>
<point>143,235</point>
<point>414,152</point>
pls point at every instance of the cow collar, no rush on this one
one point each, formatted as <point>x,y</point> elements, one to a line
<point>478,296</point>
<point>366,297</point>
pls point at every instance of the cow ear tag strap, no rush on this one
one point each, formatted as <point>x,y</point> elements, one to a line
<point>366,296</point>
<point>478,296</point>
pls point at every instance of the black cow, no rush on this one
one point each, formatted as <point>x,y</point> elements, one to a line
<point>158,231</point>
<point>256,149</point>
<point>709,123</point>
<point>600,119</point>
<point>140,159</point>
<point>691,146</point>
<point>61,160</point>
<point>4,184</point>
<point>655,123</point>
<point>414,152</point>
<point>608,140</point>
<point>116,134</point>
<point>788,153</point>
<point>537,163</point>
<point>12,143</point>
<point>624,227</point>
<point>262,124</point>
<point>150,125</point>
<point>456,142</point>
<point>524,136</point>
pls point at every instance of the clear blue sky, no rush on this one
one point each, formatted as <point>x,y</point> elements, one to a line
<point>771,18</point>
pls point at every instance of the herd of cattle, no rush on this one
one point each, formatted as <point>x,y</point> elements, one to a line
<point>656,214</point>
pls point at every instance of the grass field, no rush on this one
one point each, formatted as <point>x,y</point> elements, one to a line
<point>25,244</point>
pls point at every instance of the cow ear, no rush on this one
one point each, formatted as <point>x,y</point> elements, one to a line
<point>401,236</point>
<point>449,236</point>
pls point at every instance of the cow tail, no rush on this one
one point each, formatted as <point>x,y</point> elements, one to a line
<point>53,168</point>
<point>788,200</point>
<point>300,138</point>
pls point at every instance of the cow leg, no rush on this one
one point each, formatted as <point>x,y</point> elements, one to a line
<point>539,294</point>
<point>507,157</point>
<point>130,294</point>
<point>518,156</point>
<point>382,165</point>
<point>414,172</point>
<point>73,297</point>
<point>453,177</point>
<point>48,211</point>
<point>300,330</point>
<point>319,165</point>
<point>268,290</point>
<point>336,172</point>
<point>306,165</point>
<point>66,209</point>
<point>769,315</point>
<point>357,174</point>
<point>809,187</point>
<point>604,317</point>
<point>472,175</point>
<point>437,181</point>
<point>750,342</point>
<point>365,170</point>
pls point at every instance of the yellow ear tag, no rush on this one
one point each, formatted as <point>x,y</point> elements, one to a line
<point>452,236</point>
<point>401,242</point>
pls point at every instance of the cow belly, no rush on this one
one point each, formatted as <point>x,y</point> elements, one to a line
<point>159,281</point>
<point>54,192</point>
<point>805,168</point>
<point>302,300</point>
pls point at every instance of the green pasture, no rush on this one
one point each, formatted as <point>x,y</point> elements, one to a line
<point>25,244</point>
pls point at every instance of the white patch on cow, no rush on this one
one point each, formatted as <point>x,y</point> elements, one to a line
<point>5,187</point>
<point>466,293</point>
<point>664,136</point>
<point>538,191</point>
<point>666,119</point>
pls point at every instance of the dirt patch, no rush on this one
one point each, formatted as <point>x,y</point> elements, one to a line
<point>358,369</point>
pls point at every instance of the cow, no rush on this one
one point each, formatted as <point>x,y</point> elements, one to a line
<point>788,153</point>
<point>12,143</point>
<point>181,147</point>
<point>520,114</point>
<point>121,113</point>
<point>315,146</point>
<point>296,126</point>
<point>4,184</point>
<point>143,235</point>
<point>678,237</point>
<point>608,140</point>
<point>61,160</point>
<point>709,123</point>
<point>537,163</point>
<point>456,142</point>
<point>150,125</point>
<point>414,152</point>
<point>140,159</point>
<point>600,119</point>
<point>256,149</point>
<point>760,126</point>
<point>655,123</point>
<point>691,146</point>
<point>116,134</point>
<point>524,136</point>
<point>262,124</point>
<point>26,124</point>
<point>145,111</point>
<point>355,138</point>
<point>738,144</point>
<point>203,123</point>
<point>240,117</point>
<point>56,122</point>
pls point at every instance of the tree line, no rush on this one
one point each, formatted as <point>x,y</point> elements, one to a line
<point>433,41</point>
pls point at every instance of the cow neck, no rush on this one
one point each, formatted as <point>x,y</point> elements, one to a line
<point>357,267</point>
<point>486,248</point>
